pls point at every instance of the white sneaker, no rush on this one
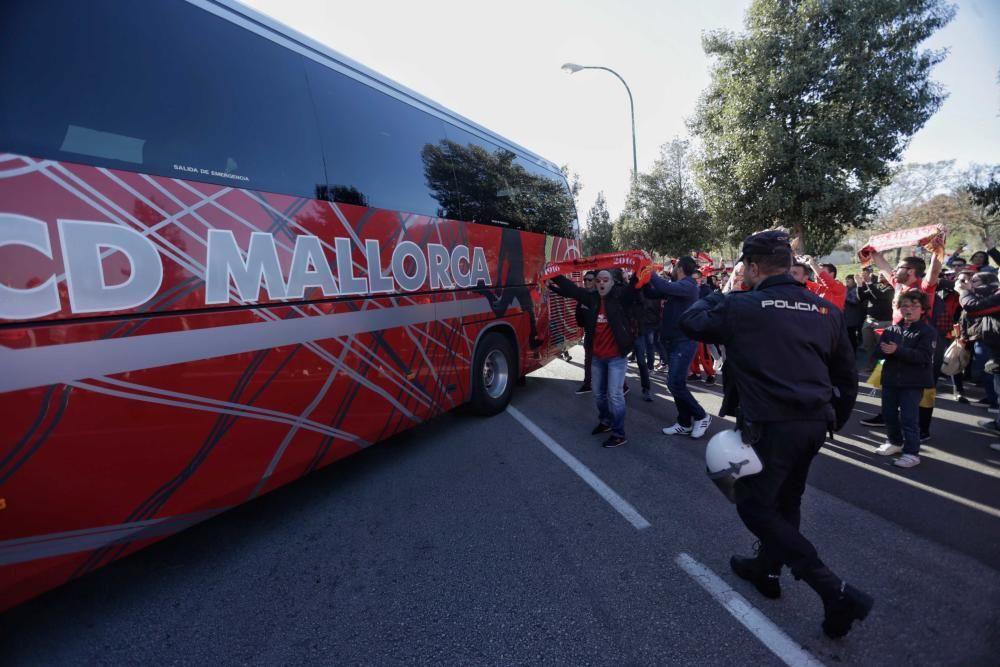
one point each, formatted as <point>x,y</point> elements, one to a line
<point>888,449</point>
<point>907,461</point>
<point>677,429</point>
<point>699,426</point>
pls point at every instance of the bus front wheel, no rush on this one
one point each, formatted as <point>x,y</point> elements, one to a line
<point>493,374</point>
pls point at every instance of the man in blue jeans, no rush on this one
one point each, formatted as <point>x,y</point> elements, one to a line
<point>678,296</point>
<point>607,325</point>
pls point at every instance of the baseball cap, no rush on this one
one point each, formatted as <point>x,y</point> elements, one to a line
<point>766,243</point>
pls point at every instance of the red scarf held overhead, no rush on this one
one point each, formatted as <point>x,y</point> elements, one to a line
<point>637,260</point>
<point>930,237</point>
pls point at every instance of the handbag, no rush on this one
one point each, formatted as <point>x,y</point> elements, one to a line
<point>956,358</point>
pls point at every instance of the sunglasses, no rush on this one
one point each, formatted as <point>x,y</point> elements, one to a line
<point>588,280</point>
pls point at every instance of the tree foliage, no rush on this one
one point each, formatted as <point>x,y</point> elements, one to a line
<point>809,108</point>
<point>597,236</point>
<point>912,184</point>
<point>664,212</point>
<point>939,193</point>
<point>983,188</point>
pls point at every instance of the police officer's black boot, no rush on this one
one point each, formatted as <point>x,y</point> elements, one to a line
<point>761,571</point>
<point>842,603</point>
<point>851,605</point>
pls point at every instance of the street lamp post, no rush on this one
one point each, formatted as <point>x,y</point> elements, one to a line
<point>573,68</point>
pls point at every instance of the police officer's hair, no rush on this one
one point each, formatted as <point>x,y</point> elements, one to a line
<point>773,263</point>
<point>988,278</point>
<point>915,295</point>
<point>830,268</point>
<point>687,265</point>
<point>917,264</point>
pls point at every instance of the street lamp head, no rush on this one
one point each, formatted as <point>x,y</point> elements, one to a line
<point>572,68</point>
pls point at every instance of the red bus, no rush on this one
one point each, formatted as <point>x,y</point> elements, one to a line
<point>230,256</point>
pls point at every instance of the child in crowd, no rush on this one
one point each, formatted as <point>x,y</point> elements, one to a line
<point>908,348</point>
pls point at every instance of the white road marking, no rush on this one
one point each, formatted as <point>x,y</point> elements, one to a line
<point>902,479</point>
<point>620,504</point>
<point>773,637</point>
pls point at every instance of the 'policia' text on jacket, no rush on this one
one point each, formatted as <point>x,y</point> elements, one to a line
<point>792,358</point>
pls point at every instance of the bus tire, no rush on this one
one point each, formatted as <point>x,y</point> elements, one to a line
<point>494,370</point>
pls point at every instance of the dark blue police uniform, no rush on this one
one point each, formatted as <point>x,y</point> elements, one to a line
<point>790,377</point>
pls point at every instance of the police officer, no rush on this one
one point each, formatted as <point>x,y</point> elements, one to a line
<point>790,378</point>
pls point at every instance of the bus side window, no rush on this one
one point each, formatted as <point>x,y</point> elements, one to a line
<point>156,87</point>
<point>373,144</point>
<point>488,188</point>
<point>552,209</point>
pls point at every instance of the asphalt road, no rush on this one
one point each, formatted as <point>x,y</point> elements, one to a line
<point>468,541</point>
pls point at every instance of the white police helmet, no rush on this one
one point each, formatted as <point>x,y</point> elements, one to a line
<point>727,459</point>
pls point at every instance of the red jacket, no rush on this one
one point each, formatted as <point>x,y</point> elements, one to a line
<point>829,288</point>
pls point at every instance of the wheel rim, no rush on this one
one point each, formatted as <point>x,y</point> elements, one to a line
<point>496,374</point>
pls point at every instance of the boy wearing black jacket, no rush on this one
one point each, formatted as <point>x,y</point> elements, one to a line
<point>908,348</point>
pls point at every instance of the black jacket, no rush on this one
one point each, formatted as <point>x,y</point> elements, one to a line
<point>617,306</point>
<point>912,364</point>
<point>788,357</point>
<point>877,297</point>
<point>982,317</point>
<point>649,315</point>
<point>854,310</point>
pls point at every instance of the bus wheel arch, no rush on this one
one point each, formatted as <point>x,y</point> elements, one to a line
<point>495,369</point>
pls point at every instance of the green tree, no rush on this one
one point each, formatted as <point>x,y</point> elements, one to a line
<point>628,232</point>
<point>664,212</point>
<point>809,108</point>
<point>597,236</point>
<point>983,187</point>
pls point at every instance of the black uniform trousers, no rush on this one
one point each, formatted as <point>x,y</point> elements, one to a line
<point>769,503</point>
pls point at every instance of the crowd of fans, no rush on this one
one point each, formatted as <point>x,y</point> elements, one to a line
<point>901,320</point>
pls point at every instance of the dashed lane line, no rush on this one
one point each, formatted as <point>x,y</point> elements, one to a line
<point>621,505</point>
<point>769,634</point>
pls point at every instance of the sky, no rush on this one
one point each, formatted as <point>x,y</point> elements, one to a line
<point>498,64</point>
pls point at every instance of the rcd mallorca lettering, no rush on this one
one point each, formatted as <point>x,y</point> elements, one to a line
<point>409,269</point>
<point>793,305</point>
<point>85,244</point>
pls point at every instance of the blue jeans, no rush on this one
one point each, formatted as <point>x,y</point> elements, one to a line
<point>680,352</point>
<point>608,376</point>
<point>901,411</point>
